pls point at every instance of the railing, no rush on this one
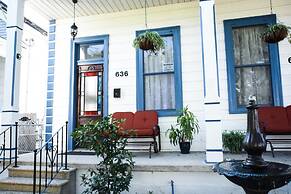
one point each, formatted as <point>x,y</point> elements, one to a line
<point>51,157</point>
<point>7,146</point>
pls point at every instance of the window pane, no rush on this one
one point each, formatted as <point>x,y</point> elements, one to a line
<point>92,51</point>
<point>249,48</point>
<point>253,81</point>
<point>162,61</point>
<point>159,92</point>
<point>91,93</point>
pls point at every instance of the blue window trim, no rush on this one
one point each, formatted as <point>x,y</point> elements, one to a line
<point>75,55</point>
<point>274,60</point>
<point>175,31</point>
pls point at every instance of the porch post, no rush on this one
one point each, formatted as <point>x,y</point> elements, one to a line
<point>12,65</point>
<point>211,82</point>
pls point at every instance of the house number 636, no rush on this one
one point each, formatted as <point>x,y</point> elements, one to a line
<point>121,73</point>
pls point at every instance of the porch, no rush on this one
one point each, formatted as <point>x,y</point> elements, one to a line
<point>189,172</point>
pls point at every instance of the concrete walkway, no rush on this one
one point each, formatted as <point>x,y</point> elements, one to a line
<point>189,173</point>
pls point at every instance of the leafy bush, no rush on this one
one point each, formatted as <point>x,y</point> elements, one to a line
<point>114,173</point>
<point>233,140</point>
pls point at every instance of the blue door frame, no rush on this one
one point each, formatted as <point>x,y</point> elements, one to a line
<point>75,56</point>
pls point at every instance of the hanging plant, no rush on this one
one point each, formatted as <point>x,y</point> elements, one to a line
<point>149,40</point>
<point>275,33</point>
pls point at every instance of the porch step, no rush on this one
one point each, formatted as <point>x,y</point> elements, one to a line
<point>20,180</point>
<point>26,185</point>
<point>26,171</point>
<point>14,192</point>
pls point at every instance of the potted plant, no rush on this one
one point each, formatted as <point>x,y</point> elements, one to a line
<point>185,129</point>
<point>233,141</point>
<point>149,40</point>
<point>114,172</point>
<point>275,33</point>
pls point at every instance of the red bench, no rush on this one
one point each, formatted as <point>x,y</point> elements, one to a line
<point>276,121</point>
<point>142,124</point>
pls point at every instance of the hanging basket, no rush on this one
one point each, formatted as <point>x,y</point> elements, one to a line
<point>149,40</point>
<point>275,34</point>
<point>146,45</point>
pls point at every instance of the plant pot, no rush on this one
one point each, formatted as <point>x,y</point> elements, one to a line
<point>185,147</point>
<point>146,45</point>
<point>276,36</point>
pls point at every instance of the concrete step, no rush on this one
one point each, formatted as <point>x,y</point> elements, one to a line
<point>26,171</point>
<point>26,185</point>
<point>14,192</point>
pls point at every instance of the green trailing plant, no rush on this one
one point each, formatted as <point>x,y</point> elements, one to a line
<point>185,129</point>
<point>114,172</point>
<point>275,33</point>
<point>149,40</point>
<point>233,141</point>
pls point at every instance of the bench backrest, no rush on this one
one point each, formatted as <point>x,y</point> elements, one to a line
<point>288,110</point>
<point>127,118</point>
<point>274,120</point>
<point>145,119</point>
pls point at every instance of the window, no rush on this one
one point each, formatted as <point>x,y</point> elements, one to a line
<point>253,65</point>
<point>159,85</point>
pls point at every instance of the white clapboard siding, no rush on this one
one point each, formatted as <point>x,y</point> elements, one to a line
<point>121,28</point>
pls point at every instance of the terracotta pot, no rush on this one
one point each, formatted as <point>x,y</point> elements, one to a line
<point>276,36</point>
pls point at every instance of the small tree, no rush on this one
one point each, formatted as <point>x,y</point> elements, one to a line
<point>114,173</point>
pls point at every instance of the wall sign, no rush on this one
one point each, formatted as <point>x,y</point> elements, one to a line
<point>121,74</point>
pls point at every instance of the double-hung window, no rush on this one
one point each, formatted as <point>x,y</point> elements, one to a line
<point>252,64</point>
<point>159,85</point>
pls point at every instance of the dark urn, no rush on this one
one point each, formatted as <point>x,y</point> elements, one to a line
<point>253,174</point>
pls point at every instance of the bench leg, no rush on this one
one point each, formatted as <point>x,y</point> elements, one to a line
<point>150,151</point>
<point>156,150</point>
<point>160,147</point>
<point>272,148</point>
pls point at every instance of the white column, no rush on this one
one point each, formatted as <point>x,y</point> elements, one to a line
<point>10,107</point>
<point>14,24</point>
<point>211,83</point>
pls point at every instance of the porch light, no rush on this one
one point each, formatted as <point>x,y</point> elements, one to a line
<point>74,28</point>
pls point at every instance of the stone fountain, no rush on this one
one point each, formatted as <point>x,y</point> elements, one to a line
<point>254,174</point>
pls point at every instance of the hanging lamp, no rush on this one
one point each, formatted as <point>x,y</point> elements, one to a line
<point>74,28</point>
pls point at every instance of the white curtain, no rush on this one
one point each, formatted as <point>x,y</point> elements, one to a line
<point>252,65</point>
<point>159,83</point>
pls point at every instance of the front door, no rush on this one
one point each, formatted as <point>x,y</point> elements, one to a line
<point>90,93</point>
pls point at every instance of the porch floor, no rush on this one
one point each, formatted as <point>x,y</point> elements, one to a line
<point>163,161</point>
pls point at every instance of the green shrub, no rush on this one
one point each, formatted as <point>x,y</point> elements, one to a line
<point>114,173</point>
<point>233,140</point>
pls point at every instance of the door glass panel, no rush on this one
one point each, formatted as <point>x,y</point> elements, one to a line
<point>91,51</point>
<point>90,101</point>
<point>91,85</point>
